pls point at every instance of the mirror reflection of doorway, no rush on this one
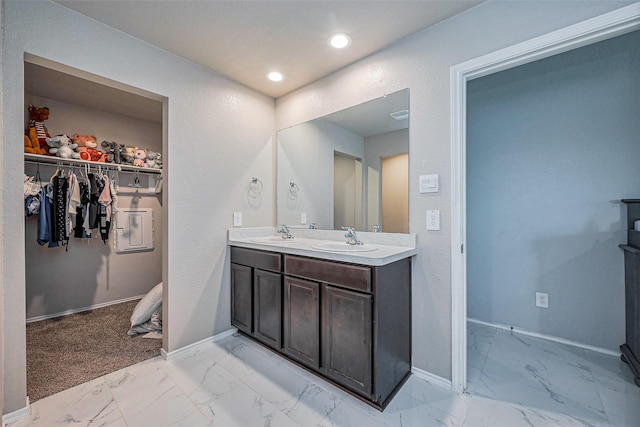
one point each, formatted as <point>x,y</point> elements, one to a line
<point>395,194</point>
<point>347,191</point>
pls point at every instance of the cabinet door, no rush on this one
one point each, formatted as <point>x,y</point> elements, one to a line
<point>241,297</point>
<point>346,333</point>
<point>302,321</point>
<point>267,307</point>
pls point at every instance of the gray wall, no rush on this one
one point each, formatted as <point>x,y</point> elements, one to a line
<point>552,147</point>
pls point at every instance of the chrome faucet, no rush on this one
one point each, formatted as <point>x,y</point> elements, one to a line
<point>377,229</point>
<point>352,239</point>
<point>283,230</point>
<point>313,226</point>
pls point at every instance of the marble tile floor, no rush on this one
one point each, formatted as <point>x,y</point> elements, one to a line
<point>514,380</point>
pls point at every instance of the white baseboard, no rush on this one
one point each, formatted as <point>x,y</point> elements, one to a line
<point>80,310</point>
<point>431,378</point>
<point>14,416</point>
<point>546,337</point>
<point>175,353</point>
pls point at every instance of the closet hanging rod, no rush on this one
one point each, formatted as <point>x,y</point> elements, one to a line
<point>50,160</point>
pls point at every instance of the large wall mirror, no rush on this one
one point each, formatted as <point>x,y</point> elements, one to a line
<point>349,168</point>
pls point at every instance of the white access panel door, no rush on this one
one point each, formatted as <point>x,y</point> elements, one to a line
<point>134,230</point>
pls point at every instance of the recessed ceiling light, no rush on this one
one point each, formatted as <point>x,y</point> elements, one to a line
<point>275,76</point>
<point>340,40</point>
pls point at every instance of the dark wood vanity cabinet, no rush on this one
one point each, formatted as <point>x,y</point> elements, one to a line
<point>302,321</point>
<point>256,294</point>
<point>267,307</point>
<point>242,297</point>
<point>349,323</point>
<point>346,335</point>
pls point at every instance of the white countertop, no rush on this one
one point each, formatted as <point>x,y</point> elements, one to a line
<point>389,247</point>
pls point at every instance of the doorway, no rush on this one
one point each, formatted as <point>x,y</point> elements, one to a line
<point>347,191</point>
<point>395,193</point>
<point>600,28</point>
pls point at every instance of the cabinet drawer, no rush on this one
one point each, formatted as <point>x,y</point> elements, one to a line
<point>263,260</point>
<point>346,275</point>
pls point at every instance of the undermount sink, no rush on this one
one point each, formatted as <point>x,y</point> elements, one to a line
<point>274,240</point>
<point>343,247</point>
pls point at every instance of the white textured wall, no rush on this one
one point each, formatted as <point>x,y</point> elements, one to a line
<point>422,64</point>
<point>211,155</point>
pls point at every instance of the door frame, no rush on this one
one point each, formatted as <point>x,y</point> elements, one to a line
<point>612,24</point>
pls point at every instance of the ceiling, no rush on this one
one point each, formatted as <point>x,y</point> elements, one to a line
<point>244,40</point>
<point>373,117</point>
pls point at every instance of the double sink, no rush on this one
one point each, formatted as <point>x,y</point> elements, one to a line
<point>328,246</point>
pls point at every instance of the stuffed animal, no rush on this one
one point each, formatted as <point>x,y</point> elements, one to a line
<point>96,155</point>
<point>84,142</point>
<point>127,154</point>
<point>114,151</point>
<point>37,133</point>
<point>153,160</point>
<point>139,158</point>
<point>61,146</point>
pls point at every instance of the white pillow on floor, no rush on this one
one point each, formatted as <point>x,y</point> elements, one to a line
<point>147,305</point>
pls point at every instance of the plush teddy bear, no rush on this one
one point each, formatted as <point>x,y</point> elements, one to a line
<point>84,142</point>
<point>153,160</point>
<point>61,146</point>
<point>139,158</point>
<point>37,133</point>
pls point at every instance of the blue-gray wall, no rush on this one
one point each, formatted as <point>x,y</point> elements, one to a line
<point>552,148</point>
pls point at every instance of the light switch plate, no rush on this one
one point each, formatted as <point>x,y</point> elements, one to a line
<point>303,217</point>
<point>429,183</point>
<point>237,219</point>
<point>433,220</point>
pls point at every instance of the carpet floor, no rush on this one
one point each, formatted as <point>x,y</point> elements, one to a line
<point>70,350</point>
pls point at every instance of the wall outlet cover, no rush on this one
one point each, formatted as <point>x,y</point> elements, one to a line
<point>542,299</point>
<point>433,220</point>
<point>237,219</point>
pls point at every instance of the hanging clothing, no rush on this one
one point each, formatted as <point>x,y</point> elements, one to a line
<point>31,196</point>
<point>105,210</point>
<point>74,198</point>
<point>81,229</point>
<point>45,219</point>
<point>94,193</point>
<point>60,231</point>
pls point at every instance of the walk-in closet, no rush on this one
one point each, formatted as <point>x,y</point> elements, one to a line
<point>93,226</point>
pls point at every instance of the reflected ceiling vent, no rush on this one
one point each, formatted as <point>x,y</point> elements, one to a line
<point>400,115</point>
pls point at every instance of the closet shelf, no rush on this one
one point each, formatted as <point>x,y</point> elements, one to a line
<point>38,158</point>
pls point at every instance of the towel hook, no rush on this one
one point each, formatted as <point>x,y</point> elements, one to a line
<point>255,187</point>
<point>293,190</point>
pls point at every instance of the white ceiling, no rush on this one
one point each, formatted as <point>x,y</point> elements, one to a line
<point>244,40</point>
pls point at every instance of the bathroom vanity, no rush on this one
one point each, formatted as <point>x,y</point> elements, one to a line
<point>346,316</point>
